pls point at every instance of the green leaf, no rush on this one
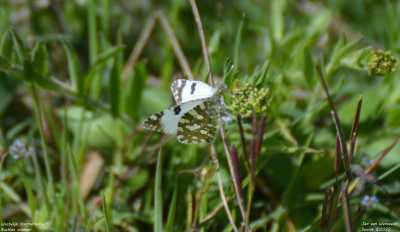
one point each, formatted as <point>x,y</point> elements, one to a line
<point>8,87</point>
<point>340,51</point>
<point>309,69</point>
<point>228,76</point>
<point>6,45</point>
<point>372,101</point>
<point>378,145</point>
<point>74,68</point>
<point>18,46</point>
<point>4,63</point>
<point>237,43</point>
<point>39,58</point>
<point>103,130</point>
<point>260,78</point>
<point>347,49</point>
<point>338,47</point>
<point>32,76</point>
<point>393,118</point>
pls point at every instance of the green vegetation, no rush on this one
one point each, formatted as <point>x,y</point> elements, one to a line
<point>77,78</point>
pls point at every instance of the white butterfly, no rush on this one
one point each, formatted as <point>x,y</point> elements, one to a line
<point>196,117</point>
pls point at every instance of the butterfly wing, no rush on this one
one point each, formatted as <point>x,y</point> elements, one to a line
<point>167,120</point>
<point>187,90</point>
<point>200,124</point>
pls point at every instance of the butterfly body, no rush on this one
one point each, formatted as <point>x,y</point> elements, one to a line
<point>195,118</point>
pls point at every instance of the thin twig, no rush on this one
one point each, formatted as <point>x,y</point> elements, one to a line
<point>346,160</point>
<point>212,214</point>
<point>223,134</point>
<point>232,170</point>
<point>221,188</point>
<point>202,39</point>
<point>143,39</point>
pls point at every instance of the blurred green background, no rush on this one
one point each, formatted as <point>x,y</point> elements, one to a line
<point>74,156</point>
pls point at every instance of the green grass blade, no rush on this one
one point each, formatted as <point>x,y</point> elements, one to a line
<point>114,89</point>
<point>390,171</point>
<point>172,210</point>
<point>89,222</point>
<point>158,196</point>
<point>106,214</point>
<point>297,175</point>
<point>39,120</point>
<point>93,42</point>
<point>133,93</point>
<point>28,189</point>
<point>309,69</point>
<point>100,61</point>
<point>105,17</point>
<point>237,44</point>
<point>39,58</point>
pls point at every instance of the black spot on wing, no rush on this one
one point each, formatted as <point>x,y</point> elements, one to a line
<point>177,110</point>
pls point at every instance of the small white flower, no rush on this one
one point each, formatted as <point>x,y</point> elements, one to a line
<point>18,150</point>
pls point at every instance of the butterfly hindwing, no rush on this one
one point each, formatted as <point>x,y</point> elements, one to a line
<point>167,120</point>
<point>187,90</point>
<point>200,124</point>
<point>196,117</point>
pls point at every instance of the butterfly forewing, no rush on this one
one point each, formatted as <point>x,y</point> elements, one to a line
<point>167,120</point>
<point>199,125</point>
<point>186,90</point>
<point>197,116</point>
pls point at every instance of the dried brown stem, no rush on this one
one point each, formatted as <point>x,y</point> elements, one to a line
<point>221,188</point>
<point>242,138</point>
<point>231,169</point>
<point>385,152</point>
<point>260,136</point>
<point>323,213</point>
<point>353,134</point>
<point>331,207</point>
<point>346,209</point>
<point>144,38</point>
<point>337,154</point>
<point>202,39</point>
<point>237,170</point>
<point>339,129</point>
